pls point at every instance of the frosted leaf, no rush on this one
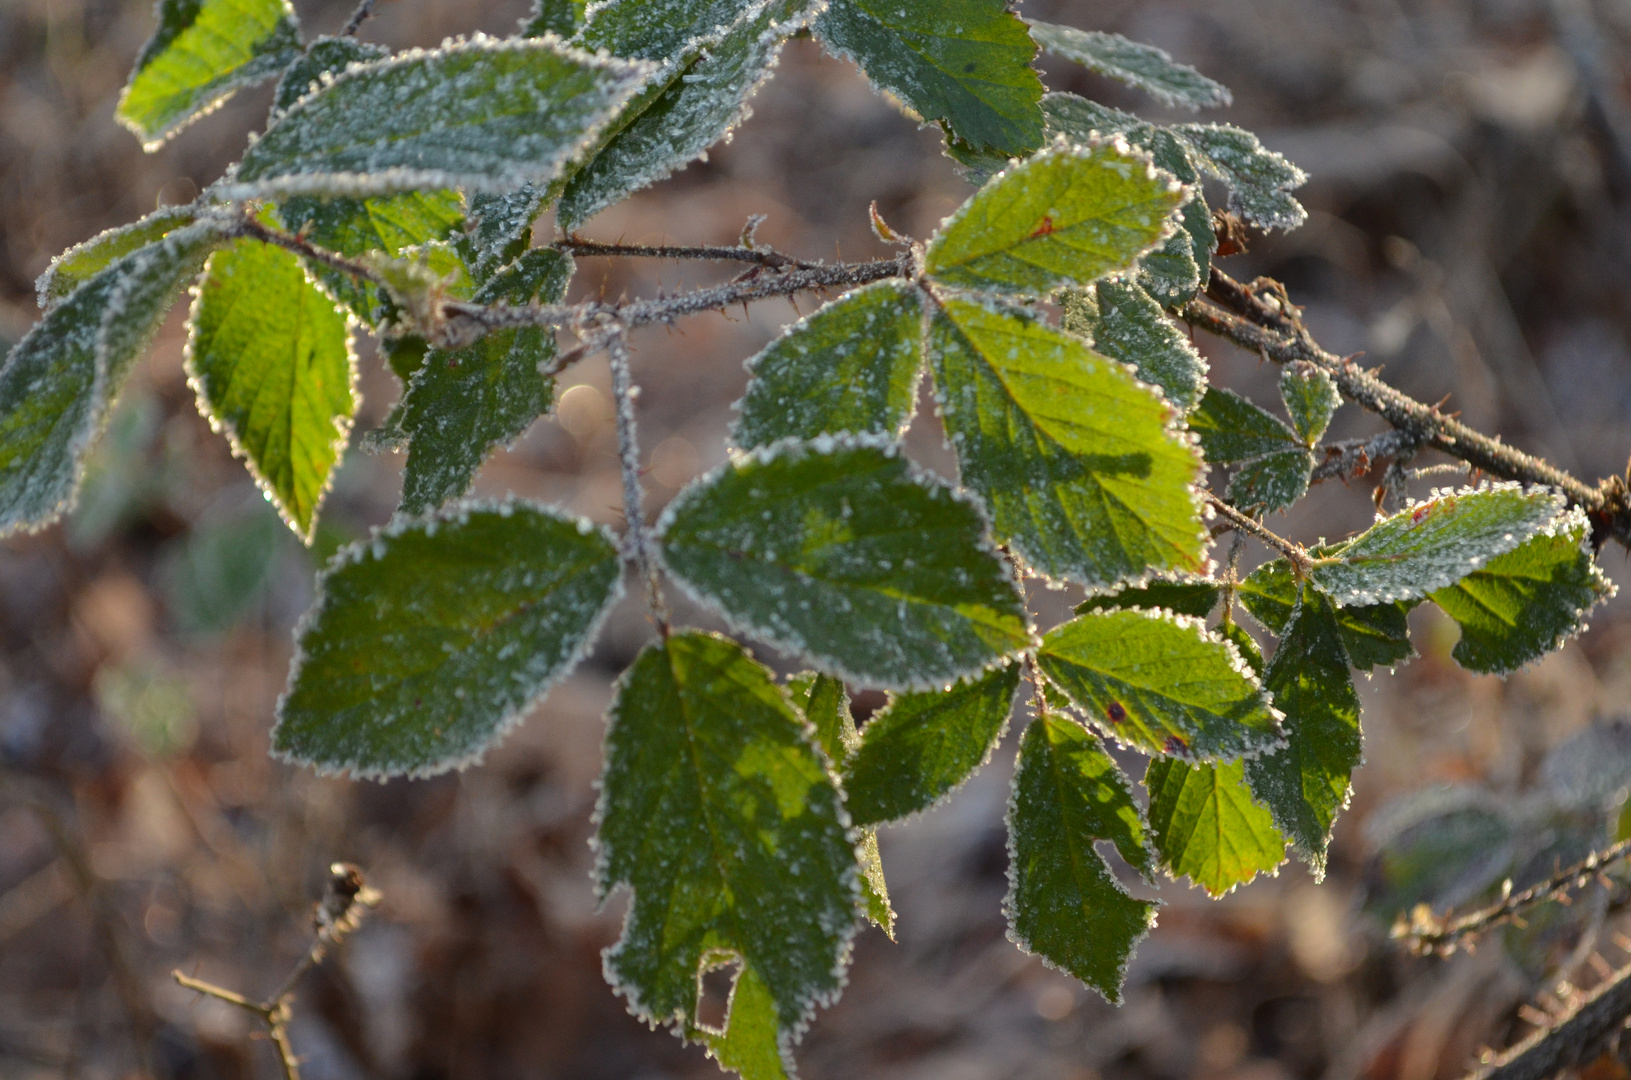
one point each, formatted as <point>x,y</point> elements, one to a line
<point>1065,217</point>
<point>1522,605</point>
<point>656,29</point>
<point>270,357</point>
<point>705,94</point>
<point>1063,902</point>
<point>1185,597</point>
<point>325,56</point>
<point>922,746</point>
<point>462,403</point>
<point>201,52</point>
<point>1311,397</point>
<point>84,261</point>
<point>1588,770</point>
<point>1272,482</point>
<point>1143,67</point>
<point>1308,782</point>
<point>836,550</point>
<point>1275,465</point>
<point>1129,326</point>
<point>720,815</point>
<point>1162,683</point>
<point>433,637</point>
<point>1077,461</point>
<point>1435,543</point>
<point>560,17</point>
<point>500,229</point>
<point>852,366</point>
<point>59,382</point>
<point>1376,635</point>
<point>824,702</point>
<point>752,1046</point>
<point>1170,274</point>
<point>1208,827</point>
<point>977,80</point>
<point>484,115</point>
<point>1260,181</point>
<point>1444,846</point>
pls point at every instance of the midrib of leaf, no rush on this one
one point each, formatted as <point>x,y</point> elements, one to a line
<point>1169,691</point>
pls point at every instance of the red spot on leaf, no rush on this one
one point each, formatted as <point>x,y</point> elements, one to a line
<point>1176,746</point>
<point>1043,228</point>
<point>1116,713</point>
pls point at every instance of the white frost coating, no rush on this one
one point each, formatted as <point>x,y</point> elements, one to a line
<point>376,546</point>
<point>1141,66</point>
<point>168,218</point>
<point>440,100</point>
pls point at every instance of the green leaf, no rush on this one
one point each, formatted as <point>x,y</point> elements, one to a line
<point>705,95</point>
<point>1196,598</point>
<point>1232,429</point>
<point>1208,827</point>
<point>1429,545</point>
<point>1129,326</point>
<point>1064,217</point>
<point>59,382</point>
<point>1526,603</point>
<point>978,80</point>
<point>499,229</point>
<point>718,812</point>
<point>1143,67</point>
<point>924,745</point>
<point>1375,635</point>
<point>1162,683</point>
<point>1443,846</point>
<point>1243,641</point>
<point>1260,181</point>
<point>325,56</point>
<point>1311,397</point>
<point>837,550</point>
<point>464,402</point>
<point>1063,903</point>
<point>852,366</point>
<point>561,17</point>
<point>435,636</point>
<point>1272,483</point>
<point>270,357</point>
<point>1079,464</point>
<point>655,29</point>
<point>84,261</point>
<point>824,702</point>
<point>484,115</point>
<point>201,52</point>
<point>1307,783</point>
<point>752,1045</point>
<point>1169,274</point>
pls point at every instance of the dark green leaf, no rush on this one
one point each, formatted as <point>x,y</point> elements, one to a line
<point>1142,66</point>
<point>561,17</point>
<point>1522,605</point>
<point>1065,217</point>
<point>720,815</point>
<point>656,29</point>
<point>82,262</point>
<point>1131,327</point>
<point>200,53</point>
<point>434,637</point>
<point>464,402</point>
<point>835,549</point>
<point>1162,683</point>
<point>1196,598</point>
<point>1376,635</point>
<point>499,229</point>
<point>1311,397</point>
<point>1232,429</point>
<point>1063,903</point>
<point>484,115</point>
<point>1170,274</point>
<point>325,56</point>
<point>923,745</point>
<point>1208,827</point>
<point>977,80</point>
<point>1272,483</point>
<point>852,366</point>
<point>1307,783</point>
<point>752,1045</point>
<point>1079,464</point>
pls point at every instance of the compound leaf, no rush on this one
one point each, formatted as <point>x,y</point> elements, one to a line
<point>464,402</point>
<point>1077,461</point>
<point>1064,217</point>
<point>1207,826</point>
<point>923,745</point>
<point>1260,181</point>
<point>84,261</point>
<point>1429,545</point>
<point>719,813</point>
<point>977,81</point>
<point>1374,635</point>
<point>852,366</point>
<point>1307,782</point>
<point>1311,397</point>
<point>201,52</point>
<point>1162,683</point>
<point>270,357</point>
<point>1129,326</point>
<point>1522,605</point>
<point>836,550</point>
<point>484,115</point>
<point>1196,598</point>
<point>1063,902</point>
<point>1143,67</point>
<point>434,637</point>
<point>60,381</point>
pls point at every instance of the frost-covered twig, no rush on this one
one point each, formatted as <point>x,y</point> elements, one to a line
<point>573,245</point>
<point>358,17</point>
<point>1426,933</point>
<point>1301,561</point>
<point>1271,327</point>
<point>247,226</point>
<point>628,452</point>
<point>1354,457</point>
<point>1575,1039</point>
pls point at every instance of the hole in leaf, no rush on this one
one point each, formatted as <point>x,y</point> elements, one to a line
<point>714,991</point>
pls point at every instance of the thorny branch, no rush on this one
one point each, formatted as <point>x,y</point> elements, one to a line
<point>1301,561</point>
<point>1594,1022</point>
<point>763,256</point>
<point>336,915</point>
<point>1259,318</point>
<point>637,537</point>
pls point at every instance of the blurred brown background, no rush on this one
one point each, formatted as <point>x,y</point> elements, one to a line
<point>1470,229</point>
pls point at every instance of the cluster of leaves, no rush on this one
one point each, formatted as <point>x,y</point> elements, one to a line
<point>739,808</point>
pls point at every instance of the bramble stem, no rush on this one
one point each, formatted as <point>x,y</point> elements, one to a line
<point>1575,1039</point>
<point>1300,560</point>
<point>628,452</point>
<point>247,226</point>
<point>358,17</point>
<point>576,246</point>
